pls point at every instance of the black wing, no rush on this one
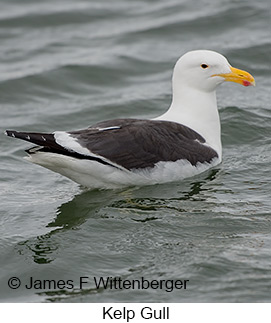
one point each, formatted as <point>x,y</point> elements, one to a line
<point>135,143</point>
<point>129,143</point>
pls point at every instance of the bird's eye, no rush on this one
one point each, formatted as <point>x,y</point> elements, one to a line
<point>204,66</point>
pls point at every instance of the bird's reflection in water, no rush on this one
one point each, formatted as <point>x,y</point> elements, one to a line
<point>198,187</point>
<point>150,202</point>
<point>41,248</point>
<point>69,215</point>
<point>74,213</point>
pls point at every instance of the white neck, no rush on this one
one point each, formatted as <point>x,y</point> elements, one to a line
<point>198,111</point>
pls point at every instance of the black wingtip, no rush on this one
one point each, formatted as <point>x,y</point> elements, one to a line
<point>10,133</point>
<point>19,135</point>
<point>41,139</point>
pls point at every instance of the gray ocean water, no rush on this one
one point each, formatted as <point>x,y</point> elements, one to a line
<point>67,64</point>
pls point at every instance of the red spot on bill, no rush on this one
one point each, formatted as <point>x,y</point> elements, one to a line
<point>246,83</point>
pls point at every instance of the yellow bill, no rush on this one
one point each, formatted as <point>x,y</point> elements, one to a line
<point>238,76</point>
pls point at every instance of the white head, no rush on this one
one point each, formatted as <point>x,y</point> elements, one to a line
<point>204,70</point>
<point>195,78</point>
